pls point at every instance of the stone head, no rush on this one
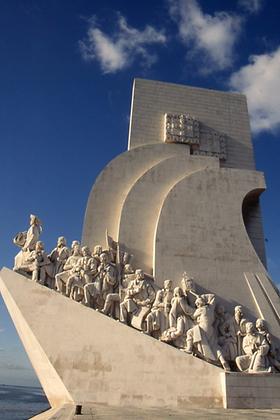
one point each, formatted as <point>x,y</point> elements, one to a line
<point>97,250</point>
<point>238,309</point>
<point>104,258</point>
<point>85,251</point>
<point>61,241</point>
<point>167,284</point>
<point>74,243</point>
<point>139,274</point>
<point>260,324</point>
<point>187,282</point>
<point>178,292</point>
<point>128,269</point>
<point>34,220</point>
<point>76,249</point>
<point>250,328</point>
<point>200,302</point>
<point>39,246</point>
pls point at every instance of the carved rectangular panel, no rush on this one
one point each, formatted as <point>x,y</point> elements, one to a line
<point>181,128</point>
<point>185,129</point>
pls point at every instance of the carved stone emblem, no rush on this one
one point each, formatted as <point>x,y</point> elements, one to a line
<point>181,128</point>
<point>203,140</point>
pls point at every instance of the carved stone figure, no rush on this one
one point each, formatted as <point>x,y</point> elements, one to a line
<point>39,265</point>
<point>189,289</point>
<point>97,251</point>
<point>239,326</point>
<point>177,335</point>
<point>59,255</point>
<point>73,245</point>
<point>180,307</point>
<point>103,282</point>
<point>69,269</point>
<point>262,329</point>
<point>180,320</point>
<point>27,241</point>
<point>138,300</point>
<point>84,272</point>
<point>128,274</point>
<point>256,348</point>
<point>107,276</point>
<point>157,320</point>
<point>225,331</point>
<point>202,338</point>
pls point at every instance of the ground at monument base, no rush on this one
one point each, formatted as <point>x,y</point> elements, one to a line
<point>101,412</point>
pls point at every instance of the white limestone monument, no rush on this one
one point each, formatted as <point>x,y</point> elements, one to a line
<point>172,247</point>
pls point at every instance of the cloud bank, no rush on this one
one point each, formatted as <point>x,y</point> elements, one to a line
<point>260,82</point>
<point>119,50</point>
<point>212,37</point>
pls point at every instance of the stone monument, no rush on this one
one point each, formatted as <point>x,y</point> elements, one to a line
<point>172,246</point>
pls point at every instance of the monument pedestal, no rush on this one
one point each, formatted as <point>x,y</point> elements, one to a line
<point>84,357</point>
<point>259,390</point>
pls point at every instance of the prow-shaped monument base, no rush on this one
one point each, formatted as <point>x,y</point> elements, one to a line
<point>83,357</point>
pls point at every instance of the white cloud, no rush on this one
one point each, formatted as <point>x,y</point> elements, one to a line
<point>251,6</point>
<point>212,36</point>
<point>260,82</point>
<point>119,50</point>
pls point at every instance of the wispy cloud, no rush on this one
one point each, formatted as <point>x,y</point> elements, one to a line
<point>251,6</point>
<point>260,81</point>
<point>118,51</point>
<point>211,37</point>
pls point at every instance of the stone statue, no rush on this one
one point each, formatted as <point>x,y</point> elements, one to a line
<point>103,282</point>
<point>262,329</point>
<point>225,331</point>
<point>112,302</point>
<point>39,265</point>
<point>180,307</point>
<point>189,289</point>
<point>69,268</point>
<point>73,245</point>
<point>157,320</point>
<point>84,272</point>
<point>256,348</point>
<point>202,338</point>
<point>107,277</point>
<point>239,326</point>
<point>97,251</point>
<point>180,320</point>
<point>138,300</point>
<point>27,241</point>
<point>128,274</point>
<point>59,255</point>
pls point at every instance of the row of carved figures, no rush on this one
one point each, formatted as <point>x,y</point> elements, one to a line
<point>106,281</point>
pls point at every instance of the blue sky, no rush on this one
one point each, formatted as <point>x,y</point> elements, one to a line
<point>65,81</point>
